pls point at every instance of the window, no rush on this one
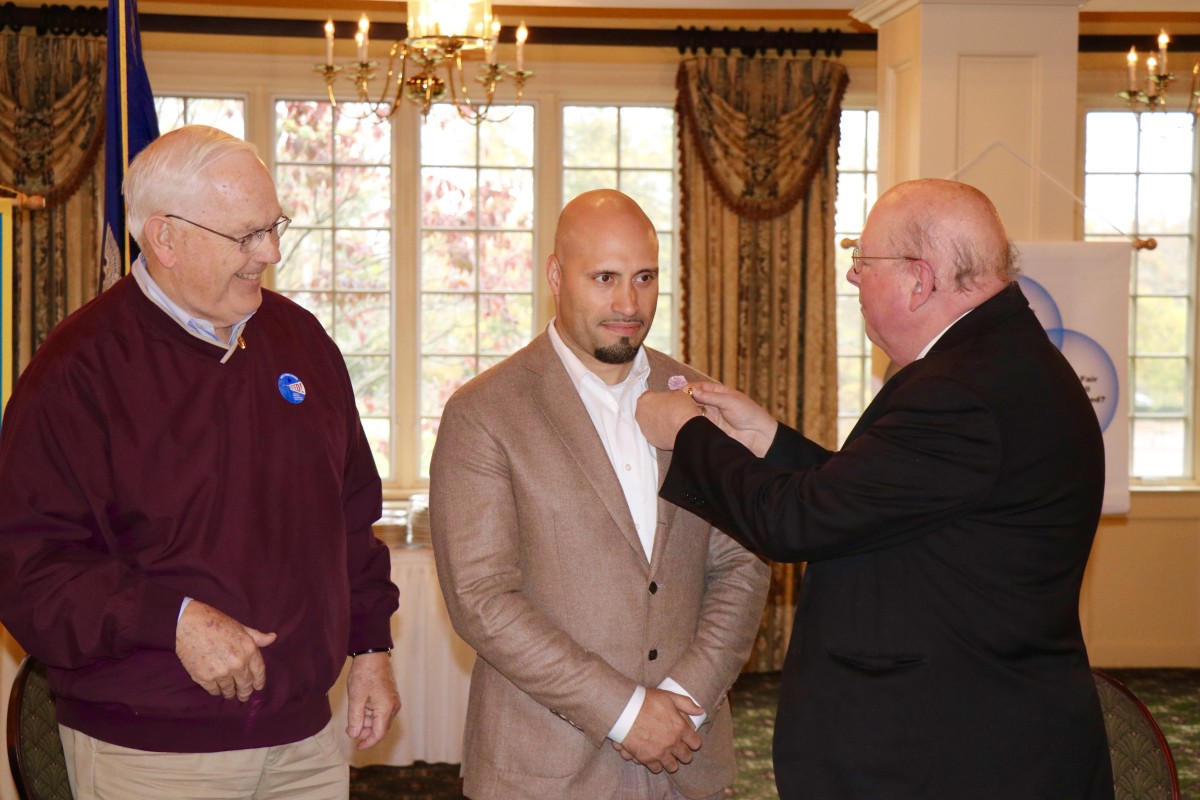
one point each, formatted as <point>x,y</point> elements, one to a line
<point>631,148</point>
<point>1140,180</point>
<point>476,253</point>
<point>334,177</point>
<point>858,163</point>
<point>227,114</point>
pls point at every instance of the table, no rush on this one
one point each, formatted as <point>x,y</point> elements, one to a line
<point>433,672</point>
<point>432,666</point>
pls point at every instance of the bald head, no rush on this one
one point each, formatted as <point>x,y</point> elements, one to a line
<point>932,250</point>
<point>604,277</point>
<point>598,214</point>
<point>956,227</point>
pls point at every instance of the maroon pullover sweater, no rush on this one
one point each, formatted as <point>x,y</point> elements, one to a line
<point>136,469</point>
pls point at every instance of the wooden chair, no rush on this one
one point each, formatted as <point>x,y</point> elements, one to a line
<point>35,751</point>
<point>1143,768</point>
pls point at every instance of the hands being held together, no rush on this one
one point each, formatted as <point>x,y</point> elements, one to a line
<point>660,415</point>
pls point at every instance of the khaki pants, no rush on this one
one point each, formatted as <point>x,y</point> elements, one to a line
<point>311,769</point>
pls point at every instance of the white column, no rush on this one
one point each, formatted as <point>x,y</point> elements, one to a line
<point>956,77</point>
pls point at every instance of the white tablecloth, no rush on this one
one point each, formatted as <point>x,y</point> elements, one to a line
<point>432,666</point>
<point>433,672</point>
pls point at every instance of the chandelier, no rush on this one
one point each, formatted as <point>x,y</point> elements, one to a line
<point>1158,78</point>
<point>439,33</point>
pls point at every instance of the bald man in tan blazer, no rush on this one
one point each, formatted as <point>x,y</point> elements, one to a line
<point>608,623</point>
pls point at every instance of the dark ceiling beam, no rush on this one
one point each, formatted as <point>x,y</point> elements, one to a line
<point>89,21</point>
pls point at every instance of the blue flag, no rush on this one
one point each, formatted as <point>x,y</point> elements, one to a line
<point>130,124</point>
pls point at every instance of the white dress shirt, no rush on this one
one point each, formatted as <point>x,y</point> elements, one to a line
<point>635,463</point>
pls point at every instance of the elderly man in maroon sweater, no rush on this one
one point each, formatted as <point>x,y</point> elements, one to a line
<point>186,499</point>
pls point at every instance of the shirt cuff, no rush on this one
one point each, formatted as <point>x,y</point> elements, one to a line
<point>621,727</point>
<point>182,606</point>
<point>670,685</point>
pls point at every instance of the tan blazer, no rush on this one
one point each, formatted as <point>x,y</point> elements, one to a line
<point>545,577</point>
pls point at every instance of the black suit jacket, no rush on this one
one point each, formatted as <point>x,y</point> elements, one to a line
<point>936,651</point>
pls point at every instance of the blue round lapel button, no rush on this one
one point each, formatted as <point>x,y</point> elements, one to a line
<point>291,387</point>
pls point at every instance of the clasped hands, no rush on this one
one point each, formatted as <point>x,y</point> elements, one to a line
<point>662,736</point>
<point>660,415</point>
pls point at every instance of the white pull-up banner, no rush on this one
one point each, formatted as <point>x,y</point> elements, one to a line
<point>1080,293</point>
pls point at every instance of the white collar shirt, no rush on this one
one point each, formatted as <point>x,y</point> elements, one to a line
<point>612,408</point>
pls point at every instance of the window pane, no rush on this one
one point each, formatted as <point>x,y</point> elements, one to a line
<point>1166,144</point>
<point>510,144</point>
<point>507,262</point>
<point>506,198</point>
<point>363,259</point>
<point>852,202</point>
<point>448,261</point>
<point>578,181</point>
<point>1161,326</point>
<point>1158,447</point>
<point>307,260</point>
<point>477,209</point>
<point>590,136</point>
<point>851,153</point>
<point>1165,203</point>
<point>648,137</point>
<point>654,192</point>
<point>447,323</point>
<point>372,379</point>
<point>363,196</point>
<point>445,139</point>
<point>1109,203</point>
<point>1162,319</point>
<point>306,193</point>
<point>1112,142</point>
<point>448,197</point>
<point>1159,270</point>
<point>441,377</point>
<point>1160,385</point>
<point>333,174</point>
<point>505,322</point>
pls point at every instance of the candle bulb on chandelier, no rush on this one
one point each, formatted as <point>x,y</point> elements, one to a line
<point>360,38</point>
<point>522,35</point>
<point>1162,52</point>
<point>1131,60</point>
<point>493,38</point>
<point>1151,71</point>
<point>329,42</point>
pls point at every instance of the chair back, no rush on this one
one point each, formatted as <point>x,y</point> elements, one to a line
<point>35,751</point>
<point>1143,768</point>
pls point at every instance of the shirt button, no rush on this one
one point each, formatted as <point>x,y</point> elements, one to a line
<point>653,587</point>
<point>653,655</point>
<point>627,468</point>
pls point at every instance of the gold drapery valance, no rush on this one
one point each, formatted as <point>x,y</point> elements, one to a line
<point>758,162</point>
<point>51,134</point>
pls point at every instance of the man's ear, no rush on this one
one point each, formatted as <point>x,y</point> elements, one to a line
<point>159,238</point>
<point>554,274</point>
<point>923,283</point>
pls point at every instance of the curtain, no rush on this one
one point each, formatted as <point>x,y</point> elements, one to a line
<point>51,132</point>
<point>758,144</point>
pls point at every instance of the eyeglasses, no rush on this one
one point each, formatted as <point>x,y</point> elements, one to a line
<point>857,259</point>
<point>250,242</point>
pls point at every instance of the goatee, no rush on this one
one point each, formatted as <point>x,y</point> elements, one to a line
<point>620,353</point>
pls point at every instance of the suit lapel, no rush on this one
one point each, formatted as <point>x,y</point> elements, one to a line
<point>659,373</point>
<point>560,403</point>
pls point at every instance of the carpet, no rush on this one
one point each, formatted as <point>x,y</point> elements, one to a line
<point>1172,695</point>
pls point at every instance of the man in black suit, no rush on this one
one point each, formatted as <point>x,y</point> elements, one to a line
<point>936,651</point>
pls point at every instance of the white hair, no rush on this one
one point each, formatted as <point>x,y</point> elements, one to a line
<point>166,175</point>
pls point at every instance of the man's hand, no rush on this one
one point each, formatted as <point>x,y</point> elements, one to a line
<point>660,415</point>
<point>374,700</point>
<point>662,736</point>
<point>737,415</point>
<point>220,653</point>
